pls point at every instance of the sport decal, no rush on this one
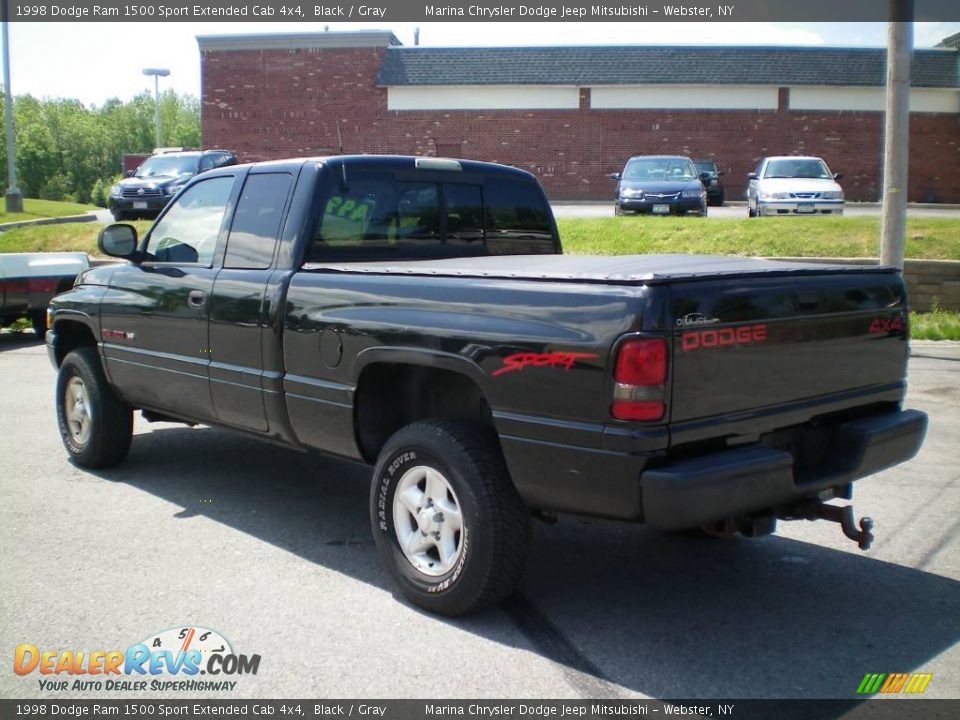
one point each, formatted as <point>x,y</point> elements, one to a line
<point>519,361</point>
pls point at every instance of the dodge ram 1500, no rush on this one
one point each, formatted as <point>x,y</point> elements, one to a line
<point>418,314</point>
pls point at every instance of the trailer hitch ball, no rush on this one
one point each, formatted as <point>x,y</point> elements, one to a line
<point>865,536</point>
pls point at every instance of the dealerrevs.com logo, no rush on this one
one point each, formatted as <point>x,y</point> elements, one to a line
<point>171,660</point>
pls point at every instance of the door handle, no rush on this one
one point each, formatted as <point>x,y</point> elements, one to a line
<point>197,299</point>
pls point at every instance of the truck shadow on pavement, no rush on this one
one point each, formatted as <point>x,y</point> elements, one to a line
<point>18,340</point>
<point>614,605</point>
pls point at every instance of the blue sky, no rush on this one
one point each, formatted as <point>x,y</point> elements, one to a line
<point>96,61</point>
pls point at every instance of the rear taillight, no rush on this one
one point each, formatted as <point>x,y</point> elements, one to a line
<point>42,285</point>
<point>639,376</point>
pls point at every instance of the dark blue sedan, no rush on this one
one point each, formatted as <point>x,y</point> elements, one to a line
<point>660,185</point>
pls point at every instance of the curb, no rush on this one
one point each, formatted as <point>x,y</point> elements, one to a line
<point>89,217</point>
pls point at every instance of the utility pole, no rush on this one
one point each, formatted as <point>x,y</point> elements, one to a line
<point>156,73</point>
<point>13,197</point>
<point>896,139</point>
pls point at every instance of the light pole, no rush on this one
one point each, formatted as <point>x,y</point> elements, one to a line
<point>157,73</point>
<point>14,198</point>
<point>896,134</point>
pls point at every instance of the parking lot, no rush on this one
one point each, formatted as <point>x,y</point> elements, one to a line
<point>272,549</point>
<point>739,210</point>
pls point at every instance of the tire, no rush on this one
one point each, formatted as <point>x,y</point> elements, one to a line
<point>39,322</point>
<point>96,426</point>
<point>118,215</point>
<point>751,213</point>
<point>617,210</point>
<point>460,470</point>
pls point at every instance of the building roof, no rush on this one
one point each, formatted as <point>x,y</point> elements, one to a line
<point>298,41</point>
<point>952,42</point>
<point>669,65</point>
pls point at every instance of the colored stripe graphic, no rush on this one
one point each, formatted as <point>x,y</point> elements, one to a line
<point>893,683</point>
<point>870,683</point>
<point>918,683</point>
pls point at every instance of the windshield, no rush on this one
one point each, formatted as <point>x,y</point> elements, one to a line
<point>706,166</point>
<point>663,169</point>
<point>798,168</point>
<point>170,166</point>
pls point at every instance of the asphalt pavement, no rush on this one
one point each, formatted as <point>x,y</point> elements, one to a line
<point>272,549</point>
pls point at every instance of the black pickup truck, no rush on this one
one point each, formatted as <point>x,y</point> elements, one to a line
<point>418,314</point>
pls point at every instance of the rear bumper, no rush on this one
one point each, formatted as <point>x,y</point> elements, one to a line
<point>731,483</point>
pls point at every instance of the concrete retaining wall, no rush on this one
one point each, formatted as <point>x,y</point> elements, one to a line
<point>928,281</point>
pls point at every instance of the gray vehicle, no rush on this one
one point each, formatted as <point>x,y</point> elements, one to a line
<point>794,185</point>
<point>147,190</point>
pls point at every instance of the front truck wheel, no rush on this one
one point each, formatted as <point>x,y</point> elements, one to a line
<point>447,521</point>
<point>95,424</point>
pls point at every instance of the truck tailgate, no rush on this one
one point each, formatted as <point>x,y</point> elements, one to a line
<point>743,345</point>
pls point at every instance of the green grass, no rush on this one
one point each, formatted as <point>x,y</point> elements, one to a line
<point>35,209</point>
<point>928,238</point>
<point>936,325</point>
<point>55,238</point>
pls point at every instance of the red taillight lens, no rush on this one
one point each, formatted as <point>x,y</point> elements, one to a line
<point>42,285</point>
<point>642,362</point>
<point>637,410</point>
<point>640,372</point>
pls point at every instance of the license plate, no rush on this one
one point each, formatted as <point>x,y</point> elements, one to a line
<point>806,209</point>
<point>139,204</point>
<point>661,209</point>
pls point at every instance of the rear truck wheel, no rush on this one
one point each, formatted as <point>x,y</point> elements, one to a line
<point>95,424</point>
<point>447,522</point>
<point>39,322</point>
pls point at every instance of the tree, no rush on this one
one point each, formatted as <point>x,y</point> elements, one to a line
<point>64,147</point>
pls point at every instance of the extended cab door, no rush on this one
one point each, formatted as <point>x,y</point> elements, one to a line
<point>239,316</point>
<point>154,317</point>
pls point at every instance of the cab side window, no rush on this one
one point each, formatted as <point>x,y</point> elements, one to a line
<point>188,231</point>
<point>256,222</point>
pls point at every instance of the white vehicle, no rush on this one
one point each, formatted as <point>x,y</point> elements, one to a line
<point>28,281</point>
<point>794,185</point>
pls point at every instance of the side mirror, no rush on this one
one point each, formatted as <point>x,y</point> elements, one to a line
<point>615,176</point>
<point>118,240</point>
<point>751,176</point>
<point>837,176</point>
<point>721,173</point>
<point>704,177</point>
<point>128,173</point>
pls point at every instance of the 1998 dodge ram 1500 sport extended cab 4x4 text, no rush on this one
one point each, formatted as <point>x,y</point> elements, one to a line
<point>417,314</point>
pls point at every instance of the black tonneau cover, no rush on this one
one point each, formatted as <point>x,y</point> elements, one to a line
<point>620,269</point>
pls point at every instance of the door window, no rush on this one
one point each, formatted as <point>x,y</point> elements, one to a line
<point>188,231</point>
<point>256,223</point>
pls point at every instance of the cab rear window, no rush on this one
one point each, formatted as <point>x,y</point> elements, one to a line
<point>375,215</point>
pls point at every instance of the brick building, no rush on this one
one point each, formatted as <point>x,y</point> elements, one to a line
<point>573,114</point>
